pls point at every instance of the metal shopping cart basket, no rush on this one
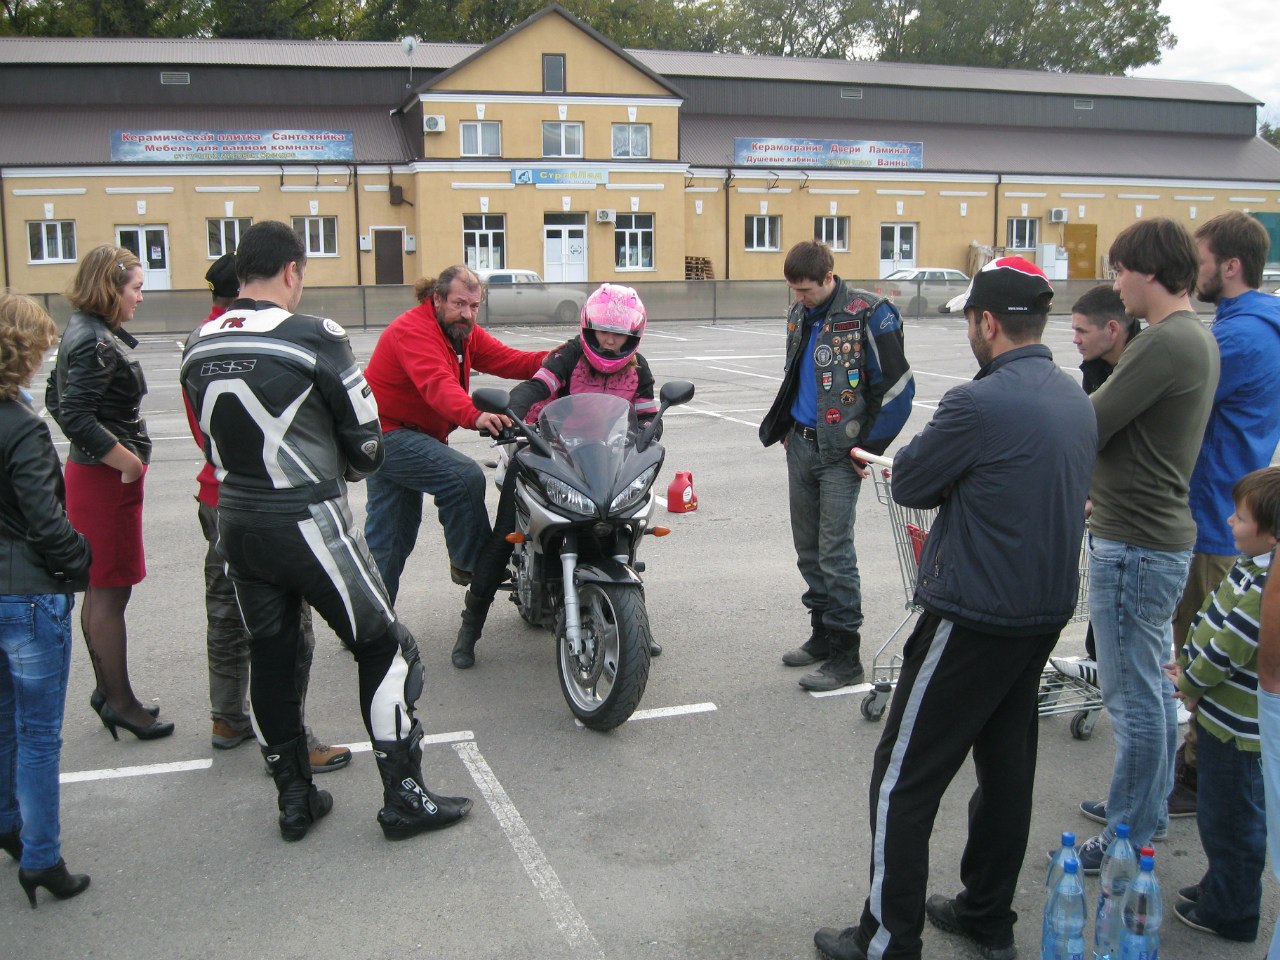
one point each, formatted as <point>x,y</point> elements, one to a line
<point>910,526</point>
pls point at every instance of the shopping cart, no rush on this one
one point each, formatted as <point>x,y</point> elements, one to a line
<point>1059,694</point>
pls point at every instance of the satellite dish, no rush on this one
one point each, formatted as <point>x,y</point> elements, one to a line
<point>408,45</point>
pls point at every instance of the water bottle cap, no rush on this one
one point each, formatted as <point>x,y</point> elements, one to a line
<point>1147,852</point>
<point>1122,830</point>
<point>1147,863</point>
<point>1070,866</point>
<point>1068,838</point>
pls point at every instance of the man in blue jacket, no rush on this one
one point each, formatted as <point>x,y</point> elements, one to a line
<point>845,383</point>
<point>1243,428</point>
<point>1006,459</point>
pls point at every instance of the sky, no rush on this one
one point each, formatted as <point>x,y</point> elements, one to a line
<point>1231,41</point>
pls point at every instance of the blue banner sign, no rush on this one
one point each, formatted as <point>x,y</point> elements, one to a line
<point>799,152</point>
<point>557,176</point>
<point>221,146</point>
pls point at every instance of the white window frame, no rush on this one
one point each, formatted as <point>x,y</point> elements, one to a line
<point>303,226</point>
<point>768,240</point>
<point>833,231</point>
<point>236,225</point>
<point>560,130</point>
<point>1022,228</point>
<point>492,225</point>
<point>631,130</point>
<point>55,231</point>
<point>629,234</point>
<point>477,130</point>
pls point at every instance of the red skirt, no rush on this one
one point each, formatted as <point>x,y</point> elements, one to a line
<point>109,513</point>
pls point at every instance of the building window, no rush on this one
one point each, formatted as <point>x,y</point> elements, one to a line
<point>1024,233</point>
<point>764,233</point>
<point>52,241</point>
<point>484,241</point>
<point>633,241</point>
<point>631,141</point>
<point>561,139</point>
<point>833,231</point>
<point>224,234</point>
<point>481,138</point>
<point>320,234</point>
<point>553,73</point>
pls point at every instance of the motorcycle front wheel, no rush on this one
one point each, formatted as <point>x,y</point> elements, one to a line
<point>604,684</point>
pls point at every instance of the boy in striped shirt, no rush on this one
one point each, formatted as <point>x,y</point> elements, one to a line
<point>1216,676</point>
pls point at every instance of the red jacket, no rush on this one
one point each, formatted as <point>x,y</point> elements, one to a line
<point>419,381</point>
<point>206,478</point>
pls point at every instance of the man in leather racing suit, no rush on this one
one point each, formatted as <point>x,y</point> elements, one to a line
<point>289,420</point>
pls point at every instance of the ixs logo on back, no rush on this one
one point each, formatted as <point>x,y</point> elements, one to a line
<point>216,368</point>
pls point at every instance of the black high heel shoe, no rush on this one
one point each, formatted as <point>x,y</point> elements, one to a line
<point>11,843</point>
<point>97,699</point>
<point>152,731</point>
<point>56,879</point>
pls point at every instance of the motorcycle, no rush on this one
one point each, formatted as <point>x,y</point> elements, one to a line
<point>584,499</point>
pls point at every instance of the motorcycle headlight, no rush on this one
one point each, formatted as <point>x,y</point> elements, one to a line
<point>571,498</point>
<point>634,491</point>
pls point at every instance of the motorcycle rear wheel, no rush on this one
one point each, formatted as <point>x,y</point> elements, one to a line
<point>604,685</point>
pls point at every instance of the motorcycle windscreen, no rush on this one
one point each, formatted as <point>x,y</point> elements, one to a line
<point>590,433</point>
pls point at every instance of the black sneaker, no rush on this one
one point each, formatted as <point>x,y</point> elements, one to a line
<point>813,650</point>
<point>836,944</point>
<point>941,912</point>
<point>1189,913</point>
<point>842,670</point>
<point>1191,894</point>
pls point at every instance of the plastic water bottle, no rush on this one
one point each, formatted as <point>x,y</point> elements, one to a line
<point>1119,866</point>
<point>1142,912</point>
<point>1064,853</point>
<point>1063,937</point>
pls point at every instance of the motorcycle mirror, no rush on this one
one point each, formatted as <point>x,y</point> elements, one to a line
<point>491,400</point>
<point>676,392</point>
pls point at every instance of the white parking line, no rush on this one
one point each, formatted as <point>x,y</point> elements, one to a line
<point>566,916</point>
<point>757,333</point>
<point>742,373</point>
<point>843,691</point>
<point>658,713</point>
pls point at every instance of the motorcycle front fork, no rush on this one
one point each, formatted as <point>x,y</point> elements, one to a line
<point>572,614</point>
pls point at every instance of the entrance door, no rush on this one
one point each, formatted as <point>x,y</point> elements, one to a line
<point>1080,240</point>
<point>388,257</point>
<point>564,247</point>
<point>150,244</point>
<point>897,247</point>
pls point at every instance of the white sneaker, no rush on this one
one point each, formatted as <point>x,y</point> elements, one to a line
<point>1184,715</point>
<point>1077,668</point>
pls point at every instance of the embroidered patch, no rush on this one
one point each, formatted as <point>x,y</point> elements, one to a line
<point>856,304</point>
<point>848,324</point>
<point>826,380</point>
<point>823,355</point>
<point>833,416</point>
<point>855,376</point>
<point>847,397</point>
<point>334,329</point>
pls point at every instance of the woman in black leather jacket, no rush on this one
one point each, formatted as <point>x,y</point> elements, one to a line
<point>42,560</point>
<point>95,393</point>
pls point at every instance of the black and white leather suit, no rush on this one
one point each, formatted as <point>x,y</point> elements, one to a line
<point>287,420</point>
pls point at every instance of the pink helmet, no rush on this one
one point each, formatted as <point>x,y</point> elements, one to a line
<point>612,309</point>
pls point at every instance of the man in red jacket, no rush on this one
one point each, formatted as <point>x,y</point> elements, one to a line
<point>420,373</point>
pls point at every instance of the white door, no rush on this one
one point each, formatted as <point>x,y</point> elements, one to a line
<point>564,248</point>
<point>150,244</point>
<point>897,247</point>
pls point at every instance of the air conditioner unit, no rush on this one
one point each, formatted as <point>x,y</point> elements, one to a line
<point>1058,215</point>
<point>433,123</point>
<point>606,216</point>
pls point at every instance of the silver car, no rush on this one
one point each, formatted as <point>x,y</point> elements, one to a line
<point>524,294</point>
<point>917,291</point>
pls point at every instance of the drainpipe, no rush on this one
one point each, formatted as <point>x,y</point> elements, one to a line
<point>995,214</point>
<point>4,234</point>
<point>728,179</point>
<point>364,307</point>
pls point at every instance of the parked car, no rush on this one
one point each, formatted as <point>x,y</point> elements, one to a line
<point>917,291</point>
<point>523,293</point>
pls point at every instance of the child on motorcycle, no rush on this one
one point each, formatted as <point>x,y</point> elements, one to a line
<point>604,358</point>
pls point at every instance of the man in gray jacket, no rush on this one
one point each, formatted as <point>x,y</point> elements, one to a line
<point>1006,459</point>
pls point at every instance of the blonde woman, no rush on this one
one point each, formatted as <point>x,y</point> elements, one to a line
<point>95,393</point>
<point>42,561</point>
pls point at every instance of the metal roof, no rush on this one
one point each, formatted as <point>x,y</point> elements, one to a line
<point>65,136</point>
<point>708,141</point>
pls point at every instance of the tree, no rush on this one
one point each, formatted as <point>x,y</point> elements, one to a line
<point>1269,133</point>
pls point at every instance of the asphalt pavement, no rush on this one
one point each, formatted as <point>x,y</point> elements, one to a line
<point>727,819</point>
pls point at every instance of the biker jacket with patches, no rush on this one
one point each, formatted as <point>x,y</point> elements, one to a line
<point>865,386</point>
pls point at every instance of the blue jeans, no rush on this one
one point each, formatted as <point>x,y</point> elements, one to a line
<point>1269,721</point>
<point>1230,813</point>
<point>1132,595</point>
<point>415,464</point>
<point>824,499</point>
<point>35,661</point>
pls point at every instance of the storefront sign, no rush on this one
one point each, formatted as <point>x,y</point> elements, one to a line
<point>167,146</point>
<point>558,176</point>
<point>795,152</point>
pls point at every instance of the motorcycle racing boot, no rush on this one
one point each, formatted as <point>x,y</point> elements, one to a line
<point>409,808</point>
<point>816,648</point>
<point>474,614</point>
<point>842,669</point>
<point>301,804</point>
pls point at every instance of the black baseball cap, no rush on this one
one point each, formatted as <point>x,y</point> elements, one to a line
<point>1006,285</point>
<point>222,277</point>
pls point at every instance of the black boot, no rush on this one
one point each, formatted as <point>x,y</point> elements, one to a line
<point>473,617</point>
<point>842,669</point>
<point>57,879</point>
<point>817,647</point>
<point>409,808</point>
<point>301,804</point>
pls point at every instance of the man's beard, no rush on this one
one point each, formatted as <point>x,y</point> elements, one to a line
<point>458,332</point>
<point>1210,291</point>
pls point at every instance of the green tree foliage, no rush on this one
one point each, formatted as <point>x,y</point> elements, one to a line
<point>1270,133</point>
